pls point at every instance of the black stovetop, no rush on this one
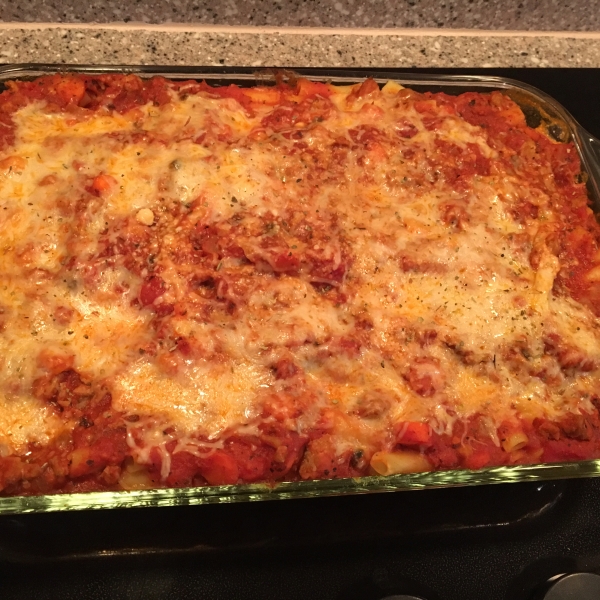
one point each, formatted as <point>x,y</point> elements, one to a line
<point>490,543</point>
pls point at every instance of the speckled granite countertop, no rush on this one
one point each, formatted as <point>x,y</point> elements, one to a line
<point>547,15</point>
<point>201,45</point>
<point>197,45</point>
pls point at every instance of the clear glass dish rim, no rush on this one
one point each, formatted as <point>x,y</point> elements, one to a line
<point>297,489</point>
<point>589,151</point>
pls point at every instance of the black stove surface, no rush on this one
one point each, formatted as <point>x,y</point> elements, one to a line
<point>490,543</point>
<point>494,543</point>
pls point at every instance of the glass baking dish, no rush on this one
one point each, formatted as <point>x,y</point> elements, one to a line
<point>540,110</point>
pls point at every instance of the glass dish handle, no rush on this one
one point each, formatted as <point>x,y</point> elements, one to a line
<point>590,147</point>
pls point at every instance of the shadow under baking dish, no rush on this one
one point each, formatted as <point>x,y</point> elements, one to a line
<point>216,529</point>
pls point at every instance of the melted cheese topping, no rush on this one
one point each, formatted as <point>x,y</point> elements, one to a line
<point>196,397</point>
<point>84,184</point>
<point>23,420</point>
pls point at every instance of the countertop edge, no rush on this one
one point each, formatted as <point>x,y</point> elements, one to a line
<point>179,44</point>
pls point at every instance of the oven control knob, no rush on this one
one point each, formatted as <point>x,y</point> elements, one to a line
<point>575,586</point>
